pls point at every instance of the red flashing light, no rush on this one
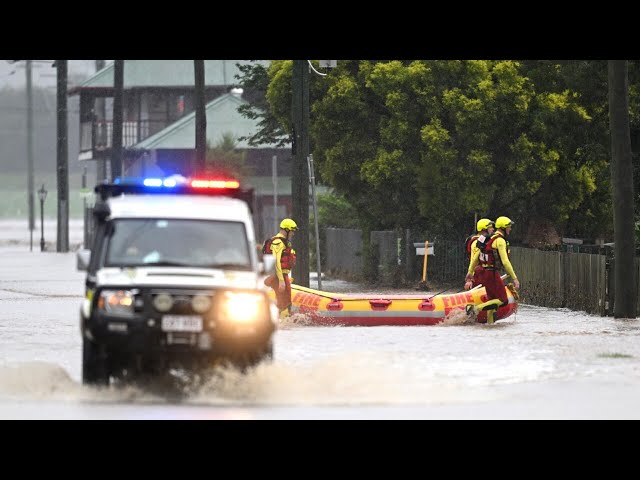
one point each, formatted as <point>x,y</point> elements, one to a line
<point>218,184</point>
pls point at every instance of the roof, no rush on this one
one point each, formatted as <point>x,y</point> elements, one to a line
<point>222,117</point>
<point>166,73</point>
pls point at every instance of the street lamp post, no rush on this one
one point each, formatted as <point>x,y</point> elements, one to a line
<point>42,194</point>
<point>29,131</point>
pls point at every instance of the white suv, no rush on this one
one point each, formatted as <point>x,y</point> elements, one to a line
<point>173,278</point>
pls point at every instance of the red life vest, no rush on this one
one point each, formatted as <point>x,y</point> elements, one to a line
<point>489,257</point>
<point>288,257</point>
<point>468,243</point>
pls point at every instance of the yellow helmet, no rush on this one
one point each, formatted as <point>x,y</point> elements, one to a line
<point>504,222</point>
<point>484,223</point>
<point>288,225</point>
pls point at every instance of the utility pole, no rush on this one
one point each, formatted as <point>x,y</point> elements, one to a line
<point>201,115</point>
<point>625,294</point>
<point>30,153</point>
<point>101,167</point>
<point>62,244</point>
<point>116,143</point>
<point>300,172</point>
<point>315,216</point>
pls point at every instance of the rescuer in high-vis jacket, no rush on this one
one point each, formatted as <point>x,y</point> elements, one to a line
<point>491,256</point>
<point>485,229</point>
<point>285,255</point>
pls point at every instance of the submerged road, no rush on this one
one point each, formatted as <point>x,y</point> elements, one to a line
<point>538,364</point>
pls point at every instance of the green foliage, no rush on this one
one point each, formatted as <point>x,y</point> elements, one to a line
<point>223,159</point>
<point>279,92</point>
<point>335,211</point>
<point>429,144</point>
<point>254,79</point>
<point>588,144</point>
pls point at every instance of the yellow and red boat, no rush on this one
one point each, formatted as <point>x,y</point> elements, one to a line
<point>324,308</point>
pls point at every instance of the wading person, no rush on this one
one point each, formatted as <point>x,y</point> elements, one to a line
<point>493,255</point>
<point>485,229</point>
<point>280,246</point>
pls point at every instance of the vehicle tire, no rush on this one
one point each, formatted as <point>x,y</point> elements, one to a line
<point>250,360</point>
<point>267,355</point>
<point>94,364</point>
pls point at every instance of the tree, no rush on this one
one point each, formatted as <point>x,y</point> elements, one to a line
<point>634,127</point>
<point>254,79</point>
<point>429,144</point>
<point>589,141</point>
<point>335,211</point>
<point>225,160</point>
<point>622,179</point>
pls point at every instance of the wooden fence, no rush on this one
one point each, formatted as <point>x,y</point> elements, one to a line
<point>569,279</point>
<point>560,279</point>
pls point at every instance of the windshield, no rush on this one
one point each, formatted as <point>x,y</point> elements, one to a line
<point>177,242</point>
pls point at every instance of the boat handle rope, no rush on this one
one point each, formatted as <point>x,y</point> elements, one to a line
<point>356,299</point>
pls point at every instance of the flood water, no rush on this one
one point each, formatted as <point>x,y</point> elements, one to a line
<point>538,363</point>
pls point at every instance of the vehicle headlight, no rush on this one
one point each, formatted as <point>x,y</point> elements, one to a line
<point>201,303</point>
<point>242,307</point>
<point>116,302</point>
<point>163,302</point>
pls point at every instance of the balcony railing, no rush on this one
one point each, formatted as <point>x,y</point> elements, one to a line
<point>98,135</point>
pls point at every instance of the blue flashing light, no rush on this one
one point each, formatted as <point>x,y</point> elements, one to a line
<point>152,182</point>
<point>159,182</point>
<point>169,182</point>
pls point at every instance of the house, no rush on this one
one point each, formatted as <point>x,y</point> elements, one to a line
<point>159,126</point>
<point>156,93</point>
<point>174,147</point>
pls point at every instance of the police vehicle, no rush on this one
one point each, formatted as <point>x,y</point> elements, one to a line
<point>173,279</point>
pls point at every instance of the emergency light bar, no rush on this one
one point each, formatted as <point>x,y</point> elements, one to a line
<point>215,183</point>
<point>175,185</point>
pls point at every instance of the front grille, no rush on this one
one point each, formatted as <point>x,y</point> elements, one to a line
<point>182,305</point>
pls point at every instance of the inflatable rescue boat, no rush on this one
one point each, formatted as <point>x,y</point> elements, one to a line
<point>324,308</point>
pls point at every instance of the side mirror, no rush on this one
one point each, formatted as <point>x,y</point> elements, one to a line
<point>101,211</point>
<point>83,258</point>
<point>268,265</point>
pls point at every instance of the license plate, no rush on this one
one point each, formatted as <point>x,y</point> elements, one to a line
<point>181,323</point>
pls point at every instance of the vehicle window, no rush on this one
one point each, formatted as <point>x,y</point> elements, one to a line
<point>178,242</point>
